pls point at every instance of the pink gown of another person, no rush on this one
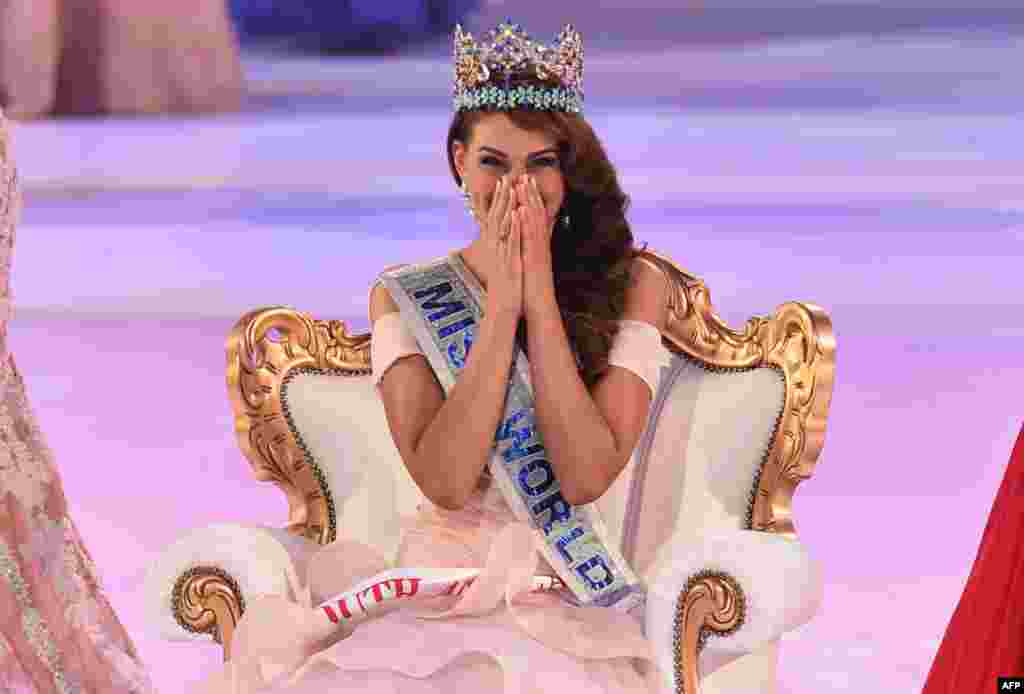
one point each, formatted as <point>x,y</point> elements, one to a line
<point>58,633</point>
<point>494,637</point>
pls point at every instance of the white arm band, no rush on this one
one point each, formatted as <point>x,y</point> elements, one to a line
<point>391,341</point>
<point>638,348</point>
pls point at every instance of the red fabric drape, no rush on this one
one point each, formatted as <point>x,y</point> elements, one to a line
<point>985,637</point>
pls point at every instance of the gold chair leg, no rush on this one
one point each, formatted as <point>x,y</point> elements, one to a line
<point>207,600</point>
<point>712,602</point>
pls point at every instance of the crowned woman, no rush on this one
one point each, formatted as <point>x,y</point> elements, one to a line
<point>58,632</point>
<point>516,374</point>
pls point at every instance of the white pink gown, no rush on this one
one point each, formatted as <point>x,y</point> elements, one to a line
<point>495,637</point>
<point>58,632</point>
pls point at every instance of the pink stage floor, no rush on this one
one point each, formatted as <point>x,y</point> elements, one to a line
<point>904,217</point>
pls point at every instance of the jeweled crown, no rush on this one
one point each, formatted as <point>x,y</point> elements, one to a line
<point>484,73</point>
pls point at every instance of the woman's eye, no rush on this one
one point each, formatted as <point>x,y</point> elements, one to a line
<point>549,161</point>
<point>489,161</point>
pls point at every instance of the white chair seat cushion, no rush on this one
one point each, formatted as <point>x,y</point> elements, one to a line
<point>258,559</point>
<point>782,585</point>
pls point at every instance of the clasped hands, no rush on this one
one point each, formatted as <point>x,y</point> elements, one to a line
<point>516,231</point>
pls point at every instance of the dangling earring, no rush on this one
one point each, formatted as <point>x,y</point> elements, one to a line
<point>468,200</point>
<point>566,221</point>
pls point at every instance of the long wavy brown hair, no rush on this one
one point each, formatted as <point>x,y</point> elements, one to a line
<point>592,257</point>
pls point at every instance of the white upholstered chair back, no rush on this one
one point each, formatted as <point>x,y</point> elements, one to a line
<point>694,470</point>
<point>341,421</point>
<point>696,467</point>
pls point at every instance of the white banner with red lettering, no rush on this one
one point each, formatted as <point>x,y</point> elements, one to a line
<point>392,587</point>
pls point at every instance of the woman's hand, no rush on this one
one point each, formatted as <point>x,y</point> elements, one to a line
<point>537,230</point>
<point>501,238</point>
<point>537,226</point>
<point>505,284</point>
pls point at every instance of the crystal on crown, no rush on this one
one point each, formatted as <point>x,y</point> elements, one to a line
<point>483,73</point>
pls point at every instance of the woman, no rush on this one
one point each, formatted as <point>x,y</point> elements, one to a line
<point>985,637</point>
<point>58,633</point>
<point>516,375</point>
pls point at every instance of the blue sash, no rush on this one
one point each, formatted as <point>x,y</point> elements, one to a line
<point>441,302</point>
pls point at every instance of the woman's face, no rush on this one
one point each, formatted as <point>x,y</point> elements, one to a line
<point>498,147</point>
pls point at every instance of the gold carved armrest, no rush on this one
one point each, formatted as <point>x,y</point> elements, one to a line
<point>206,600</point>
<point>797,341</point>
<point>711,603</point>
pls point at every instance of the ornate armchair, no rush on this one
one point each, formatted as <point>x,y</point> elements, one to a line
<point>702,511</point>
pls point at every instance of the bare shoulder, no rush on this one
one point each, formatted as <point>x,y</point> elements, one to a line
<point>647,295</point>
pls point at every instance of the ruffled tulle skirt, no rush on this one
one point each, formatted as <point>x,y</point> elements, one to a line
<point>497,636</point>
